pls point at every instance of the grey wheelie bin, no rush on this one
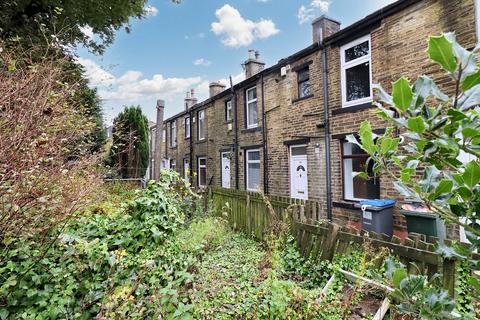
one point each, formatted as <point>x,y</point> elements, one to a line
<point>377,215</point>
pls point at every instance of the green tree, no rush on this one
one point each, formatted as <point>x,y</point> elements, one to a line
<point>36,20</point>
<point>438,136</point>
<point>129,153</point>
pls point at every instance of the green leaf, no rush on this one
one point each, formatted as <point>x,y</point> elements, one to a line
<point>471,175</point>
<point>416,124</point>
<point>425,87</point>
<point>470,132</point>
<point>389,144</point>
<point>402,94</point>
<point>398,276</point>
<point>471,81</point>
<point>470,98</point>
<point>441,51</point>
<point>445,186</point>
<point>362,175</point>
<point>366,137</point>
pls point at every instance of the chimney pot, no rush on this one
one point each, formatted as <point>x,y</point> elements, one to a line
<point>323,27</point>
<point>215,88</point>
<point>160,103</point>
<point>253,65</point>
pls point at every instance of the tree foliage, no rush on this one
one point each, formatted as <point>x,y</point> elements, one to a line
<point>129,153</point>
<point>438,136</point>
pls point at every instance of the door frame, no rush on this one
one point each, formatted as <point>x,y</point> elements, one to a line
<point>221,168</point>
<point>290,158</point>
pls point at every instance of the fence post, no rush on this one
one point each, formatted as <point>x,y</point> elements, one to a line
<point>248,213</point>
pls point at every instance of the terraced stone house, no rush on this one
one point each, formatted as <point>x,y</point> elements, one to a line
<point>282,130</point>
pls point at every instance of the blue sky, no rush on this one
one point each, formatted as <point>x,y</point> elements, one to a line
<point>182,46</point>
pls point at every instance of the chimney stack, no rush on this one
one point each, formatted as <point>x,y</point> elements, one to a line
<point>158,140</point>
<point>253,65</point>
<point>323,27</point>
<point>215,88</point>
<point>190,99</point>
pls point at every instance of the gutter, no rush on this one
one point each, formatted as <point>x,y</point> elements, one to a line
<point>264,138</point>
<point>235,121</point>
<point>326,125</point>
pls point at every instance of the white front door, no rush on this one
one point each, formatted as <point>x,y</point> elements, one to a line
<point>298,172</point>
<point>225,163</point>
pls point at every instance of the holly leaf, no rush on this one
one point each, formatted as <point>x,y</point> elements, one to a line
<point>366,137</point>
<point>416,124</point>
<point>471,175</point>
<point>440,50</point>
<point>402,94</point>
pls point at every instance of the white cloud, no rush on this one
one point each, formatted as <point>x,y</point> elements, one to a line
<point>129,77</point>
<point>96,74</point>
<point>150,11</point>
<point>235,79</point>
<point>239,32</point>
<point>322,5</point>
<point>305,14</point>
<point>88,32</point>
<point>202,62</point>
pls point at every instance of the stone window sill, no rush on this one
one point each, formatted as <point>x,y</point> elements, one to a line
<point>355,108</point>
<point>302,98</point>
<point>251,130</point>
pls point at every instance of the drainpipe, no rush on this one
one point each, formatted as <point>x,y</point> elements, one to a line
<point>190,163</point>
<point>326,116</point>
<point>264,136</point>
<point>235,121</point>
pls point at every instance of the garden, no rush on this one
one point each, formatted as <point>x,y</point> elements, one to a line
<point>157,253</point>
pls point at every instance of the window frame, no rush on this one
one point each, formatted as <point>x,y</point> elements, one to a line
<point>164,135</point>
<point>477,19</point>
<point>342,163</point>
<point>247,162</point>
<point>173,134</point>
<point>350,64</point>
<point>186,166</point>
<point>173,164</point>
<point>299,95</point>
<point>201,119</point>
<point>187,127</point>
<point>228,110</point>
<point>247,113</point>
<point>198,171</point>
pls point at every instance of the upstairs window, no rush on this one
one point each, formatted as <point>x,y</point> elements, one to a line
<point>303,78</point>
<point>173,134</point>
<point>252,113</point>
<point>253,170</point>
<point>228,111</point>
<point>202,171</point>
<point>356,72</point>
<point>354,159</point>
<point>187,127</point>
<point>201,125</point>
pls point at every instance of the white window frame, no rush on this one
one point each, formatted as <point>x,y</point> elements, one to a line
<point>254,125</point>
<point>353,63</point>
<point>247,162</point>
<point>201,166</point>
<point>173,134</point>
<point>164,135</point>
<point>187,127</point>
<point>186,170</point>
<point>201,119</point>
<point>173,164</point>
<point>228,111</point>
<point>477,18</point>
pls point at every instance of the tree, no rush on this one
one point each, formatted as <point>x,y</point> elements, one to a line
<point>129,153</point>
<point>438,136</point>
<point>36,20</point>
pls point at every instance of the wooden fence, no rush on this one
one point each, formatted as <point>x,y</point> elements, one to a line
<point>320,240</point>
